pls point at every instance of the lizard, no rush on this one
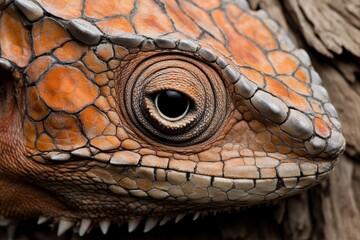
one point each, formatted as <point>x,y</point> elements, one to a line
<point>134,110</point>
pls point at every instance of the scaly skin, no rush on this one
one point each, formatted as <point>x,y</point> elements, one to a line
<point>81,137</point>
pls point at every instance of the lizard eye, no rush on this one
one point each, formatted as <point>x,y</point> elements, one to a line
<point>174,99</point>
<point>172,105</point>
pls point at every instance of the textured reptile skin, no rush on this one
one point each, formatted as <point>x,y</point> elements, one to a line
<point>82,140</point>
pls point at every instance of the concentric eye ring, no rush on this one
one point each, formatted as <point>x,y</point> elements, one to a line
<point>197,82</point>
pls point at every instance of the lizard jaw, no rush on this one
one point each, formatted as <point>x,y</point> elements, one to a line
<point>84,226</point>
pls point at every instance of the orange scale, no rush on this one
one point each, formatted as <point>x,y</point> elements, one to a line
<point>208,4</point>
<point>283,149</point>
<point>326,119</point>
<point>38,67</point>
<point>301,152</point>
<point>177,35</point>
<point>150,20</point>
<point>14,38</point>
<point>94,63</point>
<point>269,147</point>
<point>101,79</point>
<point>105,51</point>
<point>277,88</point>
<point>239,61</point>
<point>317,107</point>
<point>84,69</point>
<point>47,35</point>
<point>34,105</point>
<point>202,18</point>
<point>256,30</point>
<point>263,137</point>
<point>241,47</point>
<point>45,143</point>
<point>39,127</point>
<point>108,8</point>
<point>296,85</point>
<point>321,128</point>
<point>233,11</point>
<point>181,21</point>
<point>293,156</point>
<point>114,26</point>
<point>302,74</point>
<point>120,51</point>
<point>29,133</point>
<point>93,122</point>
<point>69,141</point>
<point>67,9</point>
<point>299,102</point>
<point>287,95</point>
<point>284,63</point>
<point>70,52</point>
<point>215,44</point>
<point>65,129</point>
<point>105,91</point>
<point>254,76</point>
<point>276,140</point>
<point>66,88</point>
<point>102,104</point>
<point>106,143</point>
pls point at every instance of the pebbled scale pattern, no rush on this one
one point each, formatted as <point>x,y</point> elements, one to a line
<point>281,136</point>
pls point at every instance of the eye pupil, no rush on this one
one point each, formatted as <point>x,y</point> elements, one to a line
<point>172,105</point>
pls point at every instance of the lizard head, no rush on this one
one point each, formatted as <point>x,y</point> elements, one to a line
<point>152,109</point>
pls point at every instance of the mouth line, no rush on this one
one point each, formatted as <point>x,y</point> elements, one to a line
<point>238,194</point>
<point>127,160</point>
<point>84,226</point>
<point>236,190</point>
